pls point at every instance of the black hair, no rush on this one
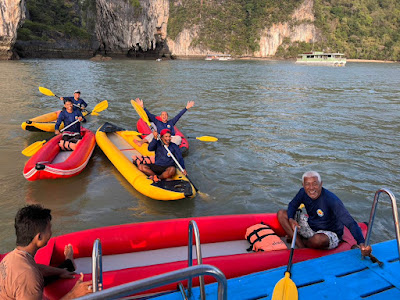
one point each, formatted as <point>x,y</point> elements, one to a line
<point>68,100</point>
<point>29,221</point>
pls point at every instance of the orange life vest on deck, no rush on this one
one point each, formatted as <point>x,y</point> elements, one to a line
<point>263,238</point>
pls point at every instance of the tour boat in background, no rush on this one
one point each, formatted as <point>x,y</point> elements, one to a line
<point>321,58</point>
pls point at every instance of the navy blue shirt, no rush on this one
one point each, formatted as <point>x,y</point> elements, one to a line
<point>168,125</point>
<point>78,102</point>
<point>327,212</point>
<point>68,118</point>
<point>161,154</point>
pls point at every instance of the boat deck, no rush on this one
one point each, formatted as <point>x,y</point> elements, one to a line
<point>161,256</point>
<point>338,276</point>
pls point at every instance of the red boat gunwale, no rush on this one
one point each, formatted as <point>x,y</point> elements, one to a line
<point>174,233</point>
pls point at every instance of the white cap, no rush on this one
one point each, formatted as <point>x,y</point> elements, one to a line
<point>77,91</point>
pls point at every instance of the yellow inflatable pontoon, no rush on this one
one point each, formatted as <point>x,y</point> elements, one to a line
<point>118,145</point>
<point>45,122</point>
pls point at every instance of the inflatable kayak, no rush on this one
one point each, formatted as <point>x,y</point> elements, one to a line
<point>44,122</point>
<point>118,145</point>
<point>140,250</point>
<point>142,127</point>
<point>50,162</point>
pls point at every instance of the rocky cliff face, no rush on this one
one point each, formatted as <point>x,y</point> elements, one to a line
<point>124,28</point>
<point>271,38</point>
<point>303,31</point>
<point>138,28</point>
<point>12,16</point>
<point>181,45</point>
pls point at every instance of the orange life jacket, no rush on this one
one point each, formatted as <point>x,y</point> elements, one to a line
<point>263,238</point>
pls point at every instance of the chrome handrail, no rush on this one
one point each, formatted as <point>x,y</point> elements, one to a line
<point>193,228</point>
<point>160,280</point>
<point>97,266</point>
<point>395,216</point>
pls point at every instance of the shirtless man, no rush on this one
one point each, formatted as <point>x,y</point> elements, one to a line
<point>20,276</point>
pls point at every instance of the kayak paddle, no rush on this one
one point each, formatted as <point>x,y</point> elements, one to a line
<point>35,147</point>
<point>286,289</point>
<point>48,92</point>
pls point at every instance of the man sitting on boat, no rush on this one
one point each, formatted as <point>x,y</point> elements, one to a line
<point>163,124</point>
<point>20,276</point>
<point>323,227</point>
<point>164,165</point>
<point>71,137</point>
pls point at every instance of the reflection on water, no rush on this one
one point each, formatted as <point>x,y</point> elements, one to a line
<point>274,121</point>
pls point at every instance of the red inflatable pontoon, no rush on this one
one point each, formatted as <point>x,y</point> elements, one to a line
<point>50,162</point>
<point>142,127</point>
<point>140,250</point>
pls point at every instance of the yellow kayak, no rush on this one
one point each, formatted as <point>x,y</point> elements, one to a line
<point>45,122</point>
<point>117,144</point>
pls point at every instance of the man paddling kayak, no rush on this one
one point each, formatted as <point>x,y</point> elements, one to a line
<point>164,165</point>
<point>76,100</point>
<point>71,137</point>
<point>164,123</point>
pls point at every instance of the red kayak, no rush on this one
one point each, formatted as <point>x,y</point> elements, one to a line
<point>140,250</point>
<point>142,127</point>
<point>50,162</point>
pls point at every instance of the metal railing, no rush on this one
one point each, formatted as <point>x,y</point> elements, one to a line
<point>160,280</point>
<point>193,228</point>
<point>97,266</point>
<point>395,216</point>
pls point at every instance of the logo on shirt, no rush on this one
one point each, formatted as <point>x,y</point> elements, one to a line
<point>320,213</point>
<point>169,126</point>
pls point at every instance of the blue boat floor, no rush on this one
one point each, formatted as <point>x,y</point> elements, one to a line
<point>343,275</point>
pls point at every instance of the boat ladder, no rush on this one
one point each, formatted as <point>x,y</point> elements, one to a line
<point>159,280</point>
<point>395,216</point>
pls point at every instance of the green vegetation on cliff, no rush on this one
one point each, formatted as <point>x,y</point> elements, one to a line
<point>232,26</point>
<point>362,29</point>
<point>51,19</point>
<point>365,29</point>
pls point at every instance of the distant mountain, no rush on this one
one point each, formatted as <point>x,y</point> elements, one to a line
<point>364,29</point>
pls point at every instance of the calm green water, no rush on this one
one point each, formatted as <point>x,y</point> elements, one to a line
<point>274,121</point>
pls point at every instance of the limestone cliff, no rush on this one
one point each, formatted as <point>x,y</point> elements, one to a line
<point>300,28</point>
<point>123,28</point>
<point>181,46</point>
<point>137,28</point>
<point>12,16</point>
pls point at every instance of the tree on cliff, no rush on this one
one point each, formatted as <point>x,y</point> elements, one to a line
<point>49,19</point>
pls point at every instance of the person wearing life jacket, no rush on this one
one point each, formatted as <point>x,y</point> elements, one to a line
<point>164,165</point>
<point>327,216</point>
<point>72,136</point>
<point>164,123</point>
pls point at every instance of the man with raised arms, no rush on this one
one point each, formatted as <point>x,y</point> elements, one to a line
<point>164,123</point>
